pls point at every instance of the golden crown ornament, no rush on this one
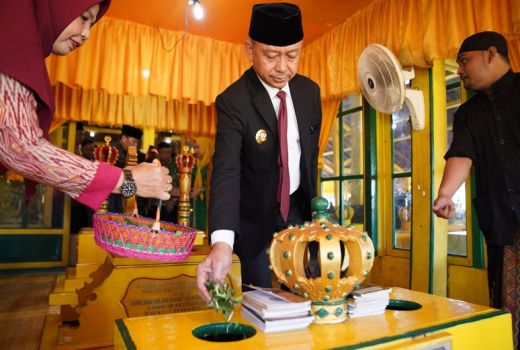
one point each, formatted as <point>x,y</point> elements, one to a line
<point>185,162</point>
<point>323,262</point>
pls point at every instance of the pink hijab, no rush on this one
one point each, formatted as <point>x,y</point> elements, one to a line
<point>28,29</point>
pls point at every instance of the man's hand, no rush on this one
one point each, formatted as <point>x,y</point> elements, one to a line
<point>215,267</point>
<point>443,207</point>
<point>455,173</point>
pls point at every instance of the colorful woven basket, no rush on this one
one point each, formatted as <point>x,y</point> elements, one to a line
<point>132,236</point>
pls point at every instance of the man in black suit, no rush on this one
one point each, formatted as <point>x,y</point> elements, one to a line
<point>259,187</point>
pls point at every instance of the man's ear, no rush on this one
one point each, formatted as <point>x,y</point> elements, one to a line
<point>492,53</point>
<point>248,46</point>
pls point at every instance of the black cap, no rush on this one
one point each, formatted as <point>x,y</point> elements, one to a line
<point>128,130</point>
<point>483,41</point>
<point>163,144</point>
<point>277,24</point>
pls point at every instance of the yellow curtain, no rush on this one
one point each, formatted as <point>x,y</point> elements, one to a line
<point>417,31</point>
<point>516,15</point>
<point>514,52</point>
<point>127,58</point>
<point>329,113</point>
<point>101,108</point>
<point>145,76</point>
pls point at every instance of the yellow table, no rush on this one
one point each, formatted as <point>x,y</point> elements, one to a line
<point>102,288</point>
<point>439,321</point>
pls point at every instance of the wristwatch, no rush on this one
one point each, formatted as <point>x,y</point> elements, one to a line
<point>128,188</point>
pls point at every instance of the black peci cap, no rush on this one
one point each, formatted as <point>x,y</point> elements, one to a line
<point>128,130</point>
<point>277,24</point>
<point>483,41</point>
<point>163,144</point>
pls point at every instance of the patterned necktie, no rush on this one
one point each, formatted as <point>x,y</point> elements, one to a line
<point>283,158</point>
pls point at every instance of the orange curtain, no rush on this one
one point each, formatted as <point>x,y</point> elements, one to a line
<point>329,112</point>
<point>417,31</point>
<point>514,52</point>
<point>100,108</point>
<point>132,73</point>
<point>127,58</point>
<point>516,16</point>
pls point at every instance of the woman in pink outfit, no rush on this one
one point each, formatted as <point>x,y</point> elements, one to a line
<point>30,30</point>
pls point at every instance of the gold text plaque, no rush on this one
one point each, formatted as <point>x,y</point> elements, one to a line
<point>152,296</point>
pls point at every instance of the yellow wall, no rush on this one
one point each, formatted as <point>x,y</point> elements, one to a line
<point>390,271</point>
<point>468,284</point>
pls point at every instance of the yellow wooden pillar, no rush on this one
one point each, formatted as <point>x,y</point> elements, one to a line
<point>384,184</point>
<point>421,194</point>
<point>440,141</point>
<point>148,137</point>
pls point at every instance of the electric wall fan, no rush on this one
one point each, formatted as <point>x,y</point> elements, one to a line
<point>383,82</point>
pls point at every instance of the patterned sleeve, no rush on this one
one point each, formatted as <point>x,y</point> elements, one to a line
<point>23,149</point>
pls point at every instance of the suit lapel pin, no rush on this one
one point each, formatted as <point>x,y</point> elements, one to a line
<point>261,136</point>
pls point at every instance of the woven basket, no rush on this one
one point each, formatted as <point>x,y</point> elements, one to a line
<point>132,236</point>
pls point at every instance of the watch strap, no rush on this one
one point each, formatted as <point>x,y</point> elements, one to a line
<point>128,174</point>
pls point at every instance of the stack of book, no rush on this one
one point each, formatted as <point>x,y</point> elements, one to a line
<point>368,301</point>
<point>275,310</point>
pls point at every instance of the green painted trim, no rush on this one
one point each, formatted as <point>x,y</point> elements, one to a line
<point>477,241</point>
<point>349,111</point>
<point>31,231</point>
<point>342,178</point>
<point>329,303</point>
<point>394,176</point>
<point>31,248</point>
<point>369,119</point>
<point>477,236</point>
<point>392,215</point>
<point>432,180</point>
<point>423,331</point>
<point>129,343</point>
<point>452,86</point>
<point>25,215</point>
<point>341,168</point>
<point>42,271</point>
<point>401,175</point>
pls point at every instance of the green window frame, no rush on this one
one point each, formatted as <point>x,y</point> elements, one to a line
<point>401,175</point>
<point>474,252</point>
<point>337,155</point>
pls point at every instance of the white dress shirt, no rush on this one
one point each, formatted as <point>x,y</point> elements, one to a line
<point>294,151</point>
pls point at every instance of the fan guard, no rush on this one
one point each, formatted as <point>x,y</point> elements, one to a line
<point>381,78</point>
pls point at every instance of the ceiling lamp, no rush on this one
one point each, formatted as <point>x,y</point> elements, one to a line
<point>198,10</point>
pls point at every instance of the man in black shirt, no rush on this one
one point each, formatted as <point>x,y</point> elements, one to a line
<point>486,135</point>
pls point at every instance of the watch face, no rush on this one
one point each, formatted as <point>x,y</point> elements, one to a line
<point>128,188</point>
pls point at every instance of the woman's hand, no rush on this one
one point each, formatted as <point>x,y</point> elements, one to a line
<point>151,180</point>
